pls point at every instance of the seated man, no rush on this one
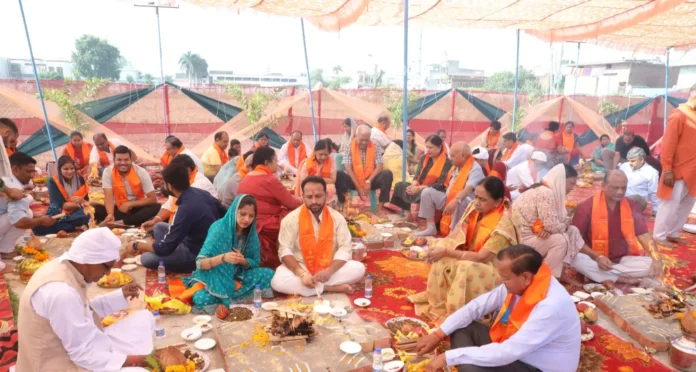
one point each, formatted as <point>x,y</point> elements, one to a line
<point>615,236</point>
<point>226,171</point>
<point>363,170</point>
<point>10,134</point>
<point>443,134</point>
<point>196,179</point>
<point>490,141</point>
<point>178,244</point>
<point>293,153</point>
<point>215,157</point>
<point>642,180</point>
<point>619,155</point>
<point>61,329</point>
<point>454,195</point>
<point>174,147</point>
<point>102,153</point>
<point>378,133</point>
<point>536,327</point>
<point>432,168</point>
<point>526,174</point>
<point>229,191</point>
<point>315,247</point>
<point>16,216</point>
<point>514,152</point>
<point>128,192</point>
<point>481,157</point>
<point>78,150</point>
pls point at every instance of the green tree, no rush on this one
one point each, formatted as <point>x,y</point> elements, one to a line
<point>505,82</point>
<point>50,75</point>
<point>169,78</point>
<point>337,70</point>
<point>67,101</point>
<point>195,67</point>
<point>317,76</point>
<point>393,98</point>
<point>130,79</point>
<point>338,81</point>
<point>96,58</point>
<point>149,79</point>
<point>255,106</point>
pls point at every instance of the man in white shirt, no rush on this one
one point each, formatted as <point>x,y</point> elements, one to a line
<point>514,152</point>
<point>536,326</point>
<point>166,213</point>
<point>102,154</point>
<point>60,328</point>
<point>378,134</point>
<point>293,153</point>
<point>526,174</point>
<point>642,180</point>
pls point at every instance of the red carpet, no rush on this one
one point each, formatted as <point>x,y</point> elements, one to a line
<point>8,330</point>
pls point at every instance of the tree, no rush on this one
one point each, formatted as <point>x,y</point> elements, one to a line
<point>317,76</point>
<point>130,79</point>
<point>338,81</point>
<point>193,66</point>
<point>337,70</point>
<point>394,100</point>
<point>50,75</point>
<point>149,79</point>
<point>67,101</point>
<point>505,82</point>
<point>169,78</point>
<point>96,58</point>
<point>377,76</point>
<point>256,106</point>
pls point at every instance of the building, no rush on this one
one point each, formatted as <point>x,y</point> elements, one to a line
<point>449,75</point>
<point>21,68</point>
<point>262,80</point>
<point>627,77</point>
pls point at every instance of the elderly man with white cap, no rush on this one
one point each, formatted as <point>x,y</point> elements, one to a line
<point>642,180</point>
<point>60,328</point>
<point>523,175</point>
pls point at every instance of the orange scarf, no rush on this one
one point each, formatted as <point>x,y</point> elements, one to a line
<point>243,171</point>
<point>317,253</point>
<point>80,157</point>
<point>10,151</point>
<point>600,226</point>
<point>263,169</point>
<point>381,128</point>
<point>81,192</point>
<point>104,157</point>
<point>192,178</point>
<point>436,170</point>
<point>510,151</point>
<point>221,153</point>
<point>459,184</point>
<point>492,142</point>
<point>478,232</point>
<point>291,154</point>
<point>119,187</point>
<point>507,323</point>
<point>487,169</point>
<point>568,141</point>
<point>362,172</point>
<point>313,169</point>
<point>166,158</point>
<point>495,174</point>
<point>538,225</point>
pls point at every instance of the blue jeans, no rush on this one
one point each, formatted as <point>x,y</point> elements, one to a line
<point>182,260</point>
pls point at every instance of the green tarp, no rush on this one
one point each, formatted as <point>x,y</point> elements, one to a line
<point>491,112</point>
<point>274,139</point>
<point>104,109</point>
<point>422,104</point>
<point>615,119</point>
<point>39,143</point>
<point>224,111</point>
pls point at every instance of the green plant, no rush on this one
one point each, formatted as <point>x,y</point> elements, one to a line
<point>50,75</point>
<point>66,103</point>
<point>149,79</point>
<point>95,57</point>
<point>394,100</point>
<point>130,79</point>
<point>256,106</point>
<point>14,303</point>
<point>607,108</point>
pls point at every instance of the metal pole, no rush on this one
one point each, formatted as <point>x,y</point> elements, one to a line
<point>517,78</point>
<point>38,84</point>
<point>309,82</point>
<point>666,89</point>
<point>404,119</point>
<point>575,83</point>
<point>164,98</point>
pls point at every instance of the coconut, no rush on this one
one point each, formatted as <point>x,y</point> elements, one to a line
<point>35,243</point>
<point>688,322</point>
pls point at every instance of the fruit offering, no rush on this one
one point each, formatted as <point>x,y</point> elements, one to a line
<point>166,305</point>
<point>114,280</point>
<point>221,312</point>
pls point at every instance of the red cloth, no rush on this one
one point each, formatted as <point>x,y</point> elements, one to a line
<point>273,202</point>
<point>501,168</point>
<point>548,141</point>
<point>618,247</point>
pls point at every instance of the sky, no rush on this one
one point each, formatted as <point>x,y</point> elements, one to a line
<point>255,43</point>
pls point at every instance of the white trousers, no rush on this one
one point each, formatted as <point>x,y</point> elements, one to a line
<point>285,281</point>
<point>8,234</point>
<point>673,213</point>
<point>629,266</point>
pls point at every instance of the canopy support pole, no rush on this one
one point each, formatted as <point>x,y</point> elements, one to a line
<point>309,82</point>
<point>517,81</point>
<point>404,119</point>
<point>575,79</point>
<point>38,84</point>
<point>164,95</point>
<point>664,123</point>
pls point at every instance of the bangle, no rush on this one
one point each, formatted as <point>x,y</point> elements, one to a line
<point>160,218</point>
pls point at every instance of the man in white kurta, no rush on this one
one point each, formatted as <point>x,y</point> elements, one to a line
<point>105,146</point>
<point>378,133</point>
<point>57,328</point>
<point>515,152</point>
<point>642,179</point>
<point>525,174</point>
<point>300,152</point>
<point>294,276</point>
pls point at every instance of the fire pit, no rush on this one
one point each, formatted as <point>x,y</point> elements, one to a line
<point>290,328</point>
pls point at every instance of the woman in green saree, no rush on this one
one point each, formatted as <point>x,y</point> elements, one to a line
<point>596,160</point>
<point>231,250</point>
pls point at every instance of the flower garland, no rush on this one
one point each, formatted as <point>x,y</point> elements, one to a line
<point>37,255</point>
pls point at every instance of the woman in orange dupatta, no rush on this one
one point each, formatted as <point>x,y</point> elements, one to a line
<point>319,163</point>
<point>78,150</point>
<point>68,193</point>
<point>464,262</point>
<point>569,145</point>
<point>432,168</point>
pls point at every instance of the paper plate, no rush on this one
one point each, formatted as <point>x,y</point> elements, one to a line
<point>133,231</point>
<point>137,260</point>
<point>597,294</point>
<point>129,267</point>
<point>51,236</point>
<point>590,304</point>
<point>338,312</point>
<point>191,334</point>
<point>129,260</point>
<point>205,344</point>
<point>387,226</point>
<point>268,306</point>
<point>350,347</point>
<point>575,299</point>
<point>18,258</point>
<point>388,354</point>
<point>202,319</point>
<point>322,309</point>
<point>393,366</point>
<point>204,327</point>
<point>691,229</point>
<point>639,290</point>
<point>386,235</point>
<point>362,302</point>
<point>587,336</point>
<point>581,295</point>
<point>115,270</point>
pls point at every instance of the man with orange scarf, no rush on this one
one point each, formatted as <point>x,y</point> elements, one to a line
<point>536,327</point>
<point>78,150</point>
<point>524,175</point>
<point>514,152</point>
<point>129,195</point>
<point>173,147</point>
<point>363,170</point>
<point>378,134</point>
<point>492,138</point>
<point>293,153</point>
<point>102,153</point>
<point>569,145</point>
<point>616,236</point>
<point>10,133</point>
<point>215,156</point>
<point>314,245</point>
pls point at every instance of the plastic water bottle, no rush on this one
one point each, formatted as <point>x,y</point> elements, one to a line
<point>368,286</point>
<point>257,297</point>
<point>377,360</point>
<point>161,274</point>
<point>159,328</point>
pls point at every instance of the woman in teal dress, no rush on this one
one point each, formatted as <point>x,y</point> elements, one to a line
<point>231,250</point>
<point>596,161</point>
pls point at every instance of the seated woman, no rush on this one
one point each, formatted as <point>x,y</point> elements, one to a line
<point>596,158</point>
<point>464,262</point>
<point>273,200</point>
<point>549,142</point>
<point>433,168</point>
<point>569,145</point>
<point>540,217</point>
<point>68,193</point>
<point>227,267</point>
<point>319,163</point>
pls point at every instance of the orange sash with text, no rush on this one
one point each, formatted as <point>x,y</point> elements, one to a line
<point>316,253</point>
<point>458,186</point>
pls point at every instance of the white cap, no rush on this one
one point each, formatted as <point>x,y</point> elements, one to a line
<point>94,246</point>
<point>538,155</point>
<point>479,153</point>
